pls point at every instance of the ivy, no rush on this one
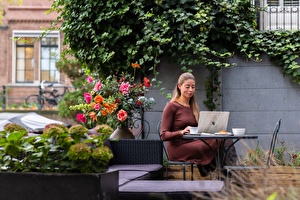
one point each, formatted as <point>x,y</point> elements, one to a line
<point>106,36</point>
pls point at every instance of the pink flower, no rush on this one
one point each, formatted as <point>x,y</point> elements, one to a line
<point>87,97</point>
<point>81,118</point>
<point>122,115</point>
<point>97,106</point>
<point>124,87</point>
<point>89,79</point>
<point>98,86</point>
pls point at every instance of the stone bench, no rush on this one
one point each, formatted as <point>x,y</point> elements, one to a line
<point>140,167</point>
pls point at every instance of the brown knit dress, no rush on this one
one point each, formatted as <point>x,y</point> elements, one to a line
<point>175,118</point>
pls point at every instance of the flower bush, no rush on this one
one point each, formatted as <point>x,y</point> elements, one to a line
<point>58,149</point>
<point>113,101</point>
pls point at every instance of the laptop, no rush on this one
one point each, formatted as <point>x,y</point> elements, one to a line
<point>212,121</point>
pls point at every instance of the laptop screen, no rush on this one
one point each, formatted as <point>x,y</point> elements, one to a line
<point>212,121</point>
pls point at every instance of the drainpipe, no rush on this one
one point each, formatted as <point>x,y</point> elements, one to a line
<point>4,98</point>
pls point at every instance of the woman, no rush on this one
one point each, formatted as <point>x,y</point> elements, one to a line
<point>178,115</point>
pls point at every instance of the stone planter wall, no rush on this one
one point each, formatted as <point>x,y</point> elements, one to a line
<point>56,186</point>
<point>276,176</point>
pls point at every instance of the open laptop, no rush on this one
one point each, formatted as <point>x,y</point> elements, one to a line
<point>212,121</point>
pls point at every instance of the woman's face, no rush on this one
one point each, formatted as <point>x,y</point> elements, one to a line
<point>187,88</point>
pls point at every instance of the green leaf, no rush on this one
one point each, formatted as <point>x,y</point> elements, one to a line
<point>15,136</point>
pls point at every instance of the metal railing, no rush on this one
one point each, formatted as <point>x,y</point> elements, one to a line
<point>16,97</point>
<point>279,16</point>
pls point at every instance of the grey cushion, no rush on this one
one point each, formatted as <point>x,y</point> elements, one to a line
<point>161,186</point>
<point>126,176</point>
<point>135,167</point>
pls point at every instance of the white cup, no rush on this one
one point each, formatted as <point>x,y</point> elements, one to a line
<point>193,130</point>
<point>238,131</point>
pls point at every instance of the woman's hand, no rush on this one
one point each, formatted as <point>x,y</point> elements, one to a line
<point>185,131</point>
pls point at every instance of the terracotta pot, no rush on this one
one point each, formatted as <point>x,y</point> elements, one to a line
<point>122,133</point>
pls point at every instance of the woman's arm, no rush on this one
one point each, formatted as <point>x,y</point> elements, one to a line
<point>167,131</point>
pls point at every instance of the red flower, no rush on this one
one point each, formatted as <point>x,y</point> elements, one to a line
<point>139,103</point>
<point>117,101</point>
<point>147,82</point>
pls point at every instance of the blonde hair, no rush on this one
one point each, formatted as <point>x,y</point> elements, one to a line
<point>177,93</point>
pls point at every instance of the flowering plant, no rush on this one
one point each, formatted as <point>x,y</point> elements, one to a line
<point>113,101</point>
<point>57,149</point>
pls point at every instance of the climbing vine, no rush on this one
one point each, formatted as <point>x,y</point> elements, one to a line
<point>109,35</point>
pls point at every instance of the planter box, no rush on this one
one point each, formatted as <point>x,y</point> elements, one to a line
<point>276,176</point>
<point>57,186</point>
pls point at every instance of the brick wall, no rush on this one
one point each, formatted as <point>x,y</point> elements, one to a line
<point>28,16</point>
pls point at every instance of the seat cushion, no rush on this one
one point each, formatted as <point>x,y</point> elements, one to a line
<point>126,176</point>
<point>161,189</point>
<point>143,167</point>
<point>162,186</point>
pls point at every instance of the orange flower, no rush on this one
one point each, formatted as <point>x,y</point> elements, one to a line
<point>135,65</point>
<point>93,116</point>
<point>104,112</point>
<point>112,107</point>
<point>98,99</point>
<point>106,105</point>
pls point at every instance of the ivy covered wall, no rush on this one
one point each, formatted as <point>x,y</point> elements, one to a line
<point>256,94</point>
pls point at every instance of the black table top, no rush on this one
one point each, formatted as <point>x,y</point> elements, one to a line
<point>221,136</point>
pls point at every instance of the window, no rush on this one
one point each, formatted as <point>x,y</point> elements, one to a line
<point>24,60</point>
<point>34,58</point>
<point>283,2</point>
<point>49,53</point>
<point>280,14</point>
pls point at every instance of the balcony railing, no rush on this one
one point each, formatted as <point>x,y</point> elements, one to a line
<point>281,16</point>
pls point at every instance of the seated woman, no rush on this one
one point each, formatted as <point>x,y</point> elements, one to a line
<point>179,114</point>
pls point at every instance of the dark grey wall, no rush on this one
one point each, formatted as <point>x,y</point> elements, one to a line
<point>256,94</point>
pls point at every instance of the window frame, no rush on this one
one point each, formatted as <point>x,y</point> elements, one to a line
<point>33,34</point>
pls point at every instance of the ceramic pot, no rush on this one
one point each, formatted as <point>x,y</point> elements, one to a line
<point>122,133</point>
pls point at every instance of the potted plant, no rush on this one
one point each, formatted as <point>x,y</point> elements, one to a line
<point>113,100</point>
<point>61,163</point>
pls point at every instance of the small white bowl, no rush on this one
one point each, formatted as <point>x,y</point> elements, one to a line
<point>193,130</point>
<point>238,131</point>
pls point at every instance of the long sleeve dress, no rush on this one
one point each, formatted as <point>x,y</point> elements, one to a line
<point>175,118</point>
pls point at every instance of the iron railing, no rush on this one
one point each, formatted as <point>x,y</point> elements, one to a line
<point>279,14</point>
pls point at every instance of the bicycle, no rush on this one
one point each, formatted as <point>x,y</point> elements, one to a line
<point>52,97</point>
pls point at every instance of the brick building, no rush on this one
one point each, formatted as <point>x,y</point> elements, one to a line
<point>26,59</point>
